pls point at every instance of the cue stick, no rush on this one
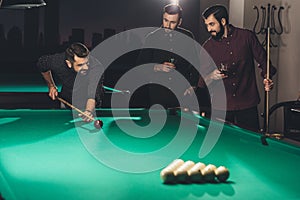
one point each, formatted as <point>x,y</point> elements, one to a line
<point>267,77</point>
<point>73,107</point>
<point>266,124</point>
<point>113,90</point>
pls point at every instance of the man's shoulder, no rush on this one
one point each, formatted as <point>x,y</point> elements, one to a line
<point>52,60</point>
<point>160,31</point>
<point>207,42</point>
<point>155,37</point>
<point>56,56</point>
<point>185,31</point>
<point>155,32</point>
<point>243,31</point>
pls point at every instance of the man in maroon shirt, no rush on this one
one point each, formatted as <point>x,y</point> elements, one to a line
<point>234,49</point>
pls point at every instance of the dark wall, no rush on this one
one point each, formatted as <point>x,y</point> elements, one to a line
<point>26,35</point>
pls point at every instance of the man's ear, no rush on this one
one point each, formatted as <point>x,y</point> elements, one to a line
<point>223,21</point>
<point>69,63</point>
<point>180,21</point>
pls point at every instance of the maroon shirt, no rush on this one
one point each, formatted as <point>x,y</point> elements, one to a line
<point>238,51</point>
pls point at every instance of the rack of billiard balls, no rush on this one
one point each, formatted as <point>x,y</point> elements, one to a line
<point>179,171</point>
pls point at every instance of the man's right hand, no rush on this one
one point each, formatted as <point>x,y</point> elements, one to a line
<point>53,92</point>
<point>165,67</point>
<point>213,76</point>
<point>190,91</point>
<point>217,75</point>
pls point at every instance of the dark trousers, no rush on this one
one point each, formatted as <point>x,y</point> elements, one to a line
<point>247,118</point>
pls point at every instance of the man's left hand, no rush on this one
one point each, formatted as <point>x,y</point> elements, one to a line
<point>85,117</point>
<point>268,84</point>
<point>190,91</point>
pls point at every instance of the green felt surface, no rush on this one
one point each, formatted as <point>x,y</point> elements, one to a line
<point>23,82</point>
<point>43,156</point>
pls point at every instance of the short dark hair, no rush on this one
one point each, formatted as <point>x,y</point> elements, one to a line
<point>173,9</point>
<point>77,49</point>
<point>219,12</point>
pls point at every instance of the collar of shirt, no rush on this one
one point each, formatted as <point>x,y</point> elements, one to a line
<point>231,30</point>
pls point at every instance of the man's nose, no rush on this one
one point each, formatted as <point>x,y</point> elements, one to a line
<point>168,25</point>
<point>85,67</point>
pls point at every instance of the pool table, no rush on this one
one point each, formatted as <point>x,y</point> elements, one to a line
<point>52,154</point>
<point>25,90</point>
<point>30,91</point>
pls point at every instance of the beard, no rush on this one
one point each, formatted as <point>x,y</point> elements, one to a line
<point>219,34</point>
<point>80,73</point>
<point>168,30</point>
<point>83,72</point>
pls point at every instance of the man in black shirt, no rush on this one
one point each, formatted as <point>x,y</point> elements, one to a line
<point>79,75</point>
<point>167,60</point>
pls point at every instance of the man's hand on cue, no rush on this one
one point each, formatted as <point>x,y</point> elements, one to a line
<point>268,84</point>
<point>85,117</point>
<point>53,92</point>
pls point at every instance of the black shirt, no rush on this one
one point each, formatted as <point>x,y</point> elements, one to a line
<point>80,87</point>
<point>161,46</point>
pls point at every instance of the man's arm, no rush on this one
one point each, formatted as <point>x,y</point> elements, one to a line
<point>260,55</point>
<point>44,65</point>
<point>90,105</point>
<point>51,85</point>
<point>94,87</point>
<point>146,55</point>
<point>208,71</point>
<point>214,75</point>
<point>89,109</point>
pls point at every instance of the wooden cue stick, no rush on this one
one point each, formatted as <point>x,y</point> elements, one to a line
<point>73,107</point>
<point>267,77</point>
<point>268,55</point>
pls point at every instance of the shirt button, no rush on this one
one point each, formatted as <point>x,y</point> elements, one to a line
<point>233,63</point>
<point>228,43</point>
<point>233,84</point>
<point>170,78</point>
<point>233,95</point>
<point>230,52</point>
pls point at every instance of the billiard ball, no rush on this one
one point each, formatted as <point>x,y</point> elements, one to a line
<point>222,173</point>
<point>98,124</point>
<point>195,174</point>
<point>167,174</point>
<point>181,173</point>
<point>209,173</point>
